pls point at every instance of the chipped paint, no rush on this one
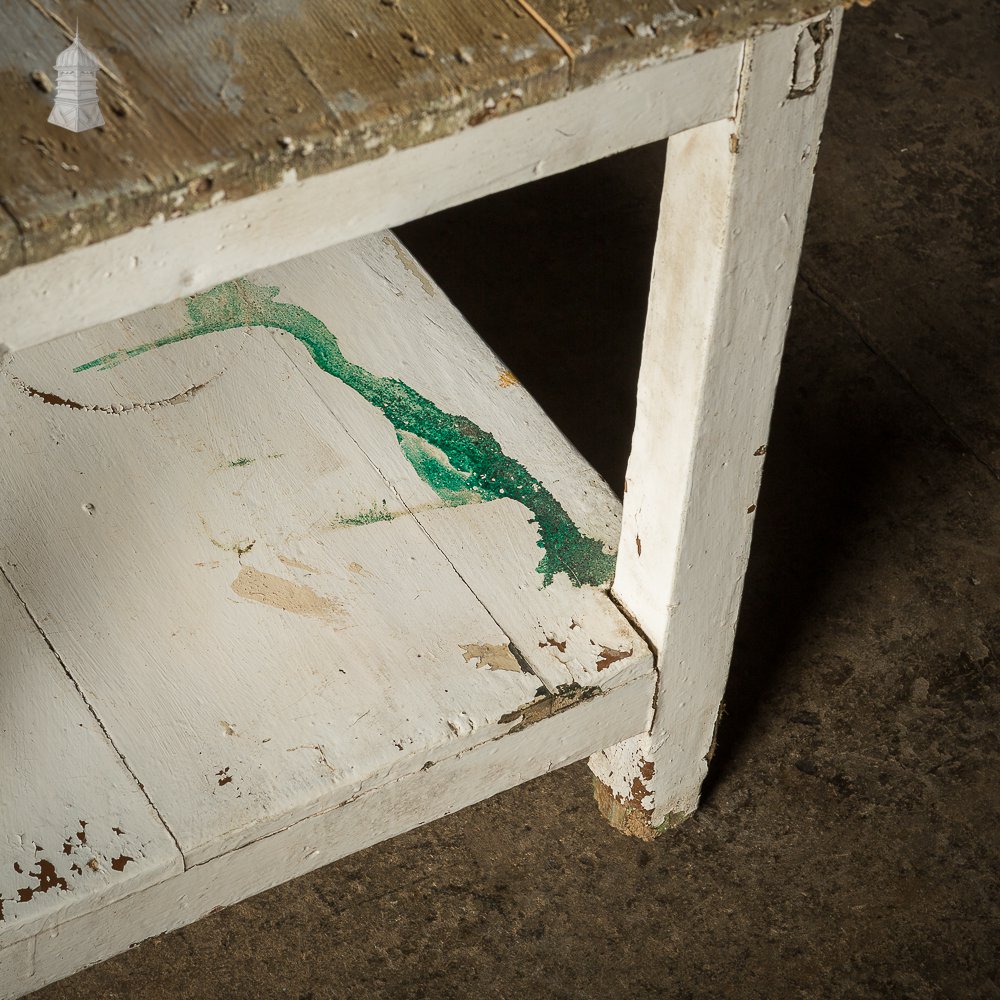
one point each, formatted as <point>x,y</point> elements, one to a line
<point>632,814</point>
<point>297,564</point>
<point>454,456</point>
<point>810,50</point>
<point>411,265</point>
<point>610,656</point>
<point>115,408</point>
<point>547,704</point>
<point>47,878</point>
<point>492,656</point>
<point>286,595</point>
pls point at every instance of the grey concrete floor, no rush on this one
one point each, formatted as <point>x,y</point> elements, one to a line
<point>848,843</point>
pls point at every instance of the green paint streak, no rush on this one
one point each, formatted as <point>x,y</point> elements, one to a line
<point>240,462</point>
<point>460,461</point>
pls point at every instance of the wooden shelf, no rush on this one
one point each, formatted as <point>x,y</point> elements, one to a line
<point>310,570</point>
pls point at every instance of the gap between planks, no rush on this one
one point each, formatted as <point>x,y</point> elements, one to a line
<point>90,708</point>
<point>515,652</point>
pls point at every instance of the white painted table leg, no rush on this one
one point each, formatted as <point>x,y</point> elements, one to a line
<point>732,217</point>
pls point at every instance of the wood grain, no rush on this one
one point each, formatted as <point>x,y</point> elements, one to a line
<point>206,100</point>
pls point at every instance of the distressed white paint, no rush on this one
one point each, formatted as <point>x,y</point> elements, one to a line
<point>161,262</point>
<point>569,631</point>
<point>71,813</point>
<point>732,217</point>
<point>177,534</point>
<point>485,768</point>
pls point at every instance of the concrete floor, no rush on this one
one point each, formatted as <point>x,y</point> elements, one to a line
<point>847,845</point>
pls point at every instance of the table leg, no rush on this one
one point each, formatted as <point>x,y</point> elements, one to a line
<point>732,216</point>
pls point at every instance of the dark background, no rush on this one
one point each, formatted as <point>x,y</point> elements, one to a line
<point>847,844</point>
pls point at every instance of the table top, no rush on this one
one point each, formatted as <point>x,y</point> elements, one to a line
<point>212,100</point>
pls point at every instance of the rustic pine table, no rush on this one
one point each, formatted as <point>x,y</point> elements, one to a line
<point>291,562</point>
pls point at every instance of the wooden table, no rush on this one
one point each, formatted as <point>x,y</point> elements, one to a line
<point>292,563</point>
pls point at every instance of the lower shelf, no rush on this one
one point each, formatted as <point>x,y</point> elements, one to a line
<point>292,566</point>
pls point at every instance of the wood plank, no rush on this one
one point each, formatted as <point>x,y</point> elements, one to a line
<point>209,97</point>
<point>162,261</point>
<point>76,832</point>
<point>732,216</point>
<point>288,633</point>
<point>484,769</point>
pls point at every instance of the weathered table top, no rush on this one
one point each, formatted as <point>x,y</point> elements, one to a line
<point>208,100</point>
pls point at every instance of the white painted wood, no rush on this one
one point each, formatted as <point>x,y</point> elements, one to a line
<point>483,769</point>
<point>245,595</point>
<point>571,634</point>
<point>732,217</point>
<point>165,260</point>
<point>153,592</point>
<point>76,832</point>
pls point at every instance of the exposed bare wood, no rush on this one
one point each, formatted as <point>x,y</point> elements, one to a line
<point>212,99</point>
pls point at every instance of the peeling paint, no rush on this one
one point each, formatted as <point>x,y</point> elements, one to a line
<point>296,564</point>
<point>494,657</point>
<point>609,656</point>
<point>286,595</point>
<point>807,69</point>
<point>115,408</point>
<point>457,458</point>
<point>548,704</point>
<point>411,265</point>
<point>47,878</point>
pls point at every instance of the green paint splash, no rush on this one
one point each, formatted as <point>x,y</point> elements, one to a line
<point>460,461</point>
<point>374,514</point>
